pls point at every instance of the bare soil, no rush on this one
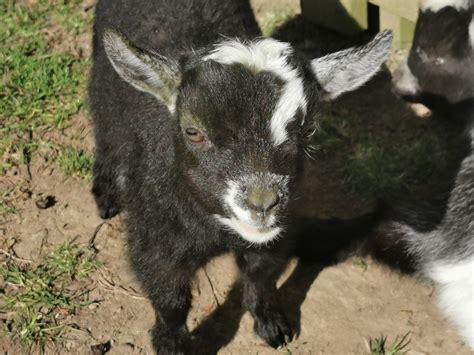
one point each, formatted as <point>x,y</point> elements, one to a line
<point>335,309</point>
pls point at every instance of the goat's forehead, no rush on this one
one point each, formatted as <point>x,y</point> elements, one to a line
<point>447,31</point>
<point>261,55</point>
<point>265,57</point>
<point>230,97</point>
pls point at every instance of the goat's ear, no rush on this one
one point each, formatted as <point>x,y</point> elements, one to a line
<point>351,68</point>
<point>146,71</point>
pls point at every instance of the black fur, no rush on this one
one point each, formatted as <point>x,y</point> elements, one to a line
<point>435,239</point>
<point>172,188</point>
<point>448,89</point>
<point>147,24</point>
<point>441,55</point>
<point>170,235</point>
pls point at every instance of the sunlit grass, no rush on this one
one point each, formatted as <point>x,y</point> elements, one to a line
<point>275,19</point>
<point>379,346</point>
<point>39,299</point>
<point>42,87</point>
<point>75,162</point>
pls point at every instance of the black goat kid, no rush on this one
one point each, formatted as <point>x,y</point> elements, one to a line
<point>200,139</point>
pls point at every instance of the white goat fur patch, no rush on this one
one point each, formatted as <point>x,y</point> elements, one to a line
<point>436,5</point>
<point>268,55</point>
<point>456,294</point>
<point>229,200</point>
<point>241,216</point>
<point>471,32</point>
<point>407,83</point>
<point>255,238</point>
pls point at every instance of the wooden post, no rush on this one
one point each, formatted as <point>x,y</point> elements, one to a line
<point>404,8</point>
<point>347,17</point>
<point>402,28</point>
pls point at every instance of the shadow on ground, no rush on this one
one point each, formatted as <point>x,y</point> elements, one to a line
<point>375,111</point>
<point>220,327</point>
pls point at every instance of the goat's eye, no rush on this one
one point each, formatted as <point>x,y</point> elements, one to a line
<point>194,135</point>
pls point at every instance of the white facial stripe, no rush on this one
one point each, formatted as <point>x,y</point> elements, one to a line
<point>229,200</point>
<point>291,99</point>
<point>471,32</point>
<point>436,5</point>
<point>268,55</point>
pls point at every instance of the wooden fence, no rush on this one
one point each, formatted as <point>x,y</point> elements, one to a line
<point>352,16</point>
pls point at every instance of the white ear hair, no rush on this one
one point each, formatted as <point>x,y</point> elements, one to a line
<point>349,69</point>
<point>144,70</point>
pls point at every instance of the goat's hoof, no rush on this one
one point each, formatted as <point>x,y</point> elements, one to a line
<point>274,329</point>
<point>107,208</point>
<point>171,344</point>
<point>105,196</point>
<point>108,212</point>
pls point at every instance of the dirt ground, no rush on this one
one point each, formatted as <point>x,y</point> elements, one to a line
<point>335,309</point>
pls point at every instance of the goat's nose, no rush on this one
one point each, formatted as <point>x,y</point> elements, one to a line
<point>262,200</point>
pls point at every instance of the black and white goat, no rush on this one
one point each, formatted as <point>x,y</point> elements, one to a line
<point>200,138</point>
<point>439,72</point>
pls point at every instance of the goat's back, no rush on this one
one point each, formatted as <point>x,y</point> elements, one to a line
<point>170,25</point>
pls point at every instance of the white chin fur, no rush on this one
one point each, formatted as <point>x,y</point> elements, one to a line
<point>456,294</point>
<point>248,232</point>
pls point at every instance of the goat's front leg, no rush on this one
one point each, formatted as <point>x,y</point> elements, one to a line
<point>259,274</point>
<point>104,187</point>
<point>171,298</point>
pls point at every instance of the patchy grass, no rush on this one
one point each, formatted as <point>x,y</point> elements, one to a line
<point>271,21</point>
<point>378,346</point>
<point>9,192</point>
<point>42,87</point>
<point>376,166</point>
<point>5,206</point>
<point>361,263</point>
<point>39,300</point>
<point>371,163</point>
<point>75,162</point>
<point>285,350</point>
